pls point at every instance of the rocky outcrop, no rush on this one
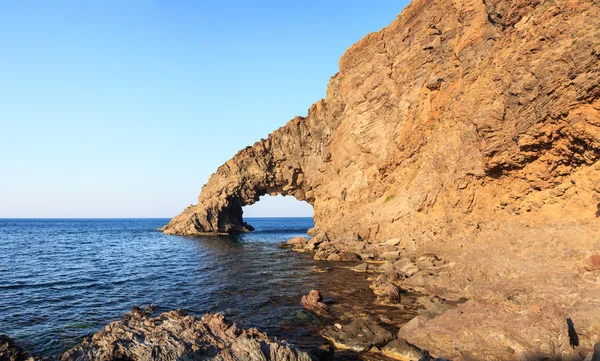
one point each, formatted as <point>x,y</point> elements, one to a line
<point>175,335</point>
<point>458,109</point>
<point>9,351</point>
<point>312,301</point>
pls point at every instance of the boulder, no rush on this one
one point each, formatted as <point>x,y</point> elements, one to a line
<point>312,301</point>
<point>298,241</point>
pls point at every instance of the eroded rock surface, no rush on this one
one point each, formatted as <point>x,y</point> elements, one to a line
<point>175,335</point>
<point>458,109</point>
<point>9,351</point>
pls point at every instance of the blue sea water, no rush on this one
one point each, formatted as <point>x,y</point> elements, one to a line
<point>62,279</point>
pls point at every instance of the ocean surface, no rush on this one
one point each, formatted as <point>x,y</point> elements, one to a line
<point>63,279</point>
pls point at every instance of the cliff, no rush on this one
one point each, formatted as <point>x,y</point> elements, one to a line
<point>457,110</point>
<point>467,129</point>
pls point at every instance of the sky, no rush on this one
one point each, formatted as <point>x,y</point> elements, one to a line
<point>124,108</point>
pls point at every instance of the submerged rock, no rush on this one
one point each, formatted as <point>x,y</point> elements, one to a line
<point>175,335</point>
<point>360,335</point>
<point>312,302</point>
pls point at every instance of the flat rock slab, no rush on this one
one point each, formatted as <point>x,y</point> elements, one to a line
<point>360,335</point>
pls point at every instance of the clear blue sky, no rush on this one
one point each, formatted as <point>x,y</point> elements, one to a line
<point>123,108</point>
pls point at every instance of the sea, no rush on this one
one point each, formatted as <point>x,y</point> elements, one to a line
<point>65,279</point>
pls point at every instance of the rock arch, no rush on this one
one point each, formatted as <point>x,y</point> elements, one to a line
<point>286,163</point>
<point>435,120</point>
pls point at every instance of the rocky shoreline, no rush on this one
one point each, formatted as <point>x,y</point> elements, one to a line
<point>452,322</point>
<point>399,277</point>
<point>456,154</point>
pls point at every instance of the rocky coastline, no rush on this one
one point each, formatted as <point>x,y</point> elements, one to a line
<point>454,162</point>
<point>394,274</point>
<point>398,279</point>
<point>459,146</point>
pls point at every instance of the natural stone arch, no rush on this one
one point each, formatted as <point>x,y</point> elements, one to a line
<point>252,173</point>
<point>278,165</point>
<point>424,128</point>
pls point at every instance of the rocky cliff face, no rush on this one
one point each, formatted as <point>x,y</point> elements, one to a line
<point>459,110</point>
<point>467,129</point>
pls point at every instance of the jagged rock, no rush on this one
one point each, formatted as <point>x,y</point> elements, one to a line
<point>392,242</point>
<point>360,335</point>
<point>384,286</point>
<point>401,263</point>
<point>390,256</point>
<point>175,335</point>
<point>9,351</point>
<point>409,269</point>
<point>411,326</point>
<point>312,301</point>
<point>367,256</point>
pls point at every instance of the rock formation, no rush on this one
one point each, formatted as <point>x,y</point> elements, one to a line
<point>172,335</point>
<point>9,351</point>
<point>176,336</point>
<point>458,109</point>
<point>468,129</point>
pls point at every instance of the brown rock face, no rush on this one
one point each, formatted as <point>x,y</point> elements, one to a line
<point>466,129</point>
<point>460,109</point>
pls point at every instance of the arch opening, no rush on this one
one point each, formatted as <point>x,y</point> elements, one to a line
<point>278,206</point>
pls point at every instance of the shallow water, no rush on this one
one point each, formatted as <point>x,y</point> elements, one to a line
<point>61,280</point>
